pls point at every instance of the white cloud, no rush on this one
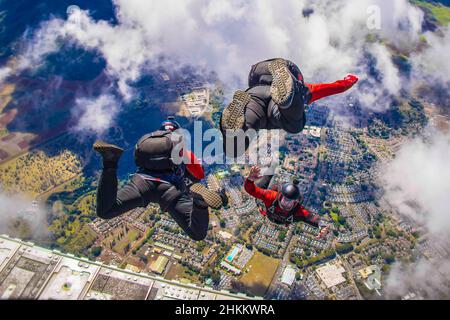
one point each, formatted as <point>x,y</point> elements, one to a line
<point>18,217</point>
<point>42,42</point>
<point>417,182</point>
<point>229,36</point>
<point>95,115</point>
<point>429,278</point>
<point>431,62</point>
<point>417,185</point>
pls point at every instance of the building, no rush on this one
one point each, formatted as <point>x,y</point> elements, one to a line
<point>367,271</point>
<point>197,101</point>
<point>331,274</point>
<point>230,268</point>
<point>133,268</point>
<point>34,273</point>
<point>373,279</point>
<point>288,276</point>
<point>159,265</point>
<point>225,235</point>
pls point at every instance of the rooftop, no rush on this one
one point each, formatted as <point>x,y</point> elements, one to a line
<point>331,274</point>
<point>31,272</point>
<point>288,276</point>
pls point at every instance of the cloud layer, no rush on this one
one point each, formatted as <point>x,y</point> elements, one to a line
<point>417,182</point>
<point>18,217</point>
<point>95,115</point>
<point>227,37</point>
<point>430,278</point>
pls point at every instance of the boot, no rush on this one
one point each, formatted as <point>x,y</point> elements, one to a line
<point>109,152</point>
<point>233,116</point>
<point>283,86</point>
<point>213,199</point>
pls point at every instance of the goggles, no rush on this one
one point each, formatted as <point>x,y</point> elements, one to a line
<point>287,204</point>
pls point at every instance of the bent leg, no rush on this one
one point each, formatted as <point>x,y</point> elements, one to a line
<point>112,203</point>
<point>248,110</point>
<point>291,118</point>
<point>256,110</point>
<point>261,75</point>
<point>191,215</point>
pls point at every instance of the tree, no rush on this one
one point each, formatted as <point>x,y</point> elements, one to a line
<point>96,251</point>
<point>282,236</point>
<point>201,245</point>
<point>389,258</point>
<point>215,278</point>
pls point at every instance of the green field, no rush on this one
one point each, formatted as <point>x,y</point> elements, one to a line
<point>335,216</point>
<point>262,270</point>
<point>440,12</point>
<point>120,239</point>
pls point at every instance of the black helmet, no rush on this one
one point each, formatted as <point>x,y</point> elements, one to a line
<point>170,124</point>
<point>290,196</point>
<point>291,190</point>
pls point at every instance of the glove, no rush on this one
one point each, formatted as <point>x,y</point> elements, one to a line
<point>254,173</point>
<point>351,78</point>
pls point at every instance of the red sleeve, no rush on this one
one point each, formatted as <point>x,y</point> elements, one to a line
<point>268,196</point>
<point>309,217</point>
<point>322,90</point>
<point>193,166</point>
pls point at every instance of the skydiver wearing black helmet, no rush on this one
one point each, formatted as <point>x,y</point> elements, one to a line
<point>283,206</point>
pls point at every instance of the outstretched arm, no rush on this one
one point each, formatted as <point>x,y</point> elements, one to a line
<point>311,218</point>
<point>321,90</point>
<point>253,190</point>
<point>314,220</point>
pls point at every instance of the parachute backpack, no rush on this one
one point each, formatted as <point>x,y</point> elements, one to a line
<point>154,152</point>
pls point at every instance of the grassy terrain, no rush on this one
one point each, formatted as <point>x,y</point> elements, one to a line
<point>36,172</point>
<point>6,95</point>
<point>79,237</point>
<point>262,270</point>
<point>176,272</point>
<point>439,11</point>
<point>121,239</point>
<point>335,216</point>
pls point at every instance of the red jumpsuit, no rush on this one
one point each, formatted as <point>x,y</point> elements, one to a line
<point>269,196</point>
<point>322,90</point>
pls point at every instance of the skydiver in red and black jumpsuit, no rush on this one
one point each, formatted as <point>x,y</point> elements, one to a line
<point>283,206</point>
<point>276,99</point>
<point>187,204</point>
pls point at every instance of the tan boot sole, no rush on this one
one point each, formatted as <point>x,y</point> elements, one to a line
<point>101,147</point>
<point>282,84</point>
<point>233,117</point>
<point>213,199</point>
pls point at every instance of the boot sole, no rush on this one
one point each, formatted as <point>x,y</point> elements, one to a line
<point>233,117</point>
<point>102,147</point>
<point>213,199</point>
<point>282,84</point>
